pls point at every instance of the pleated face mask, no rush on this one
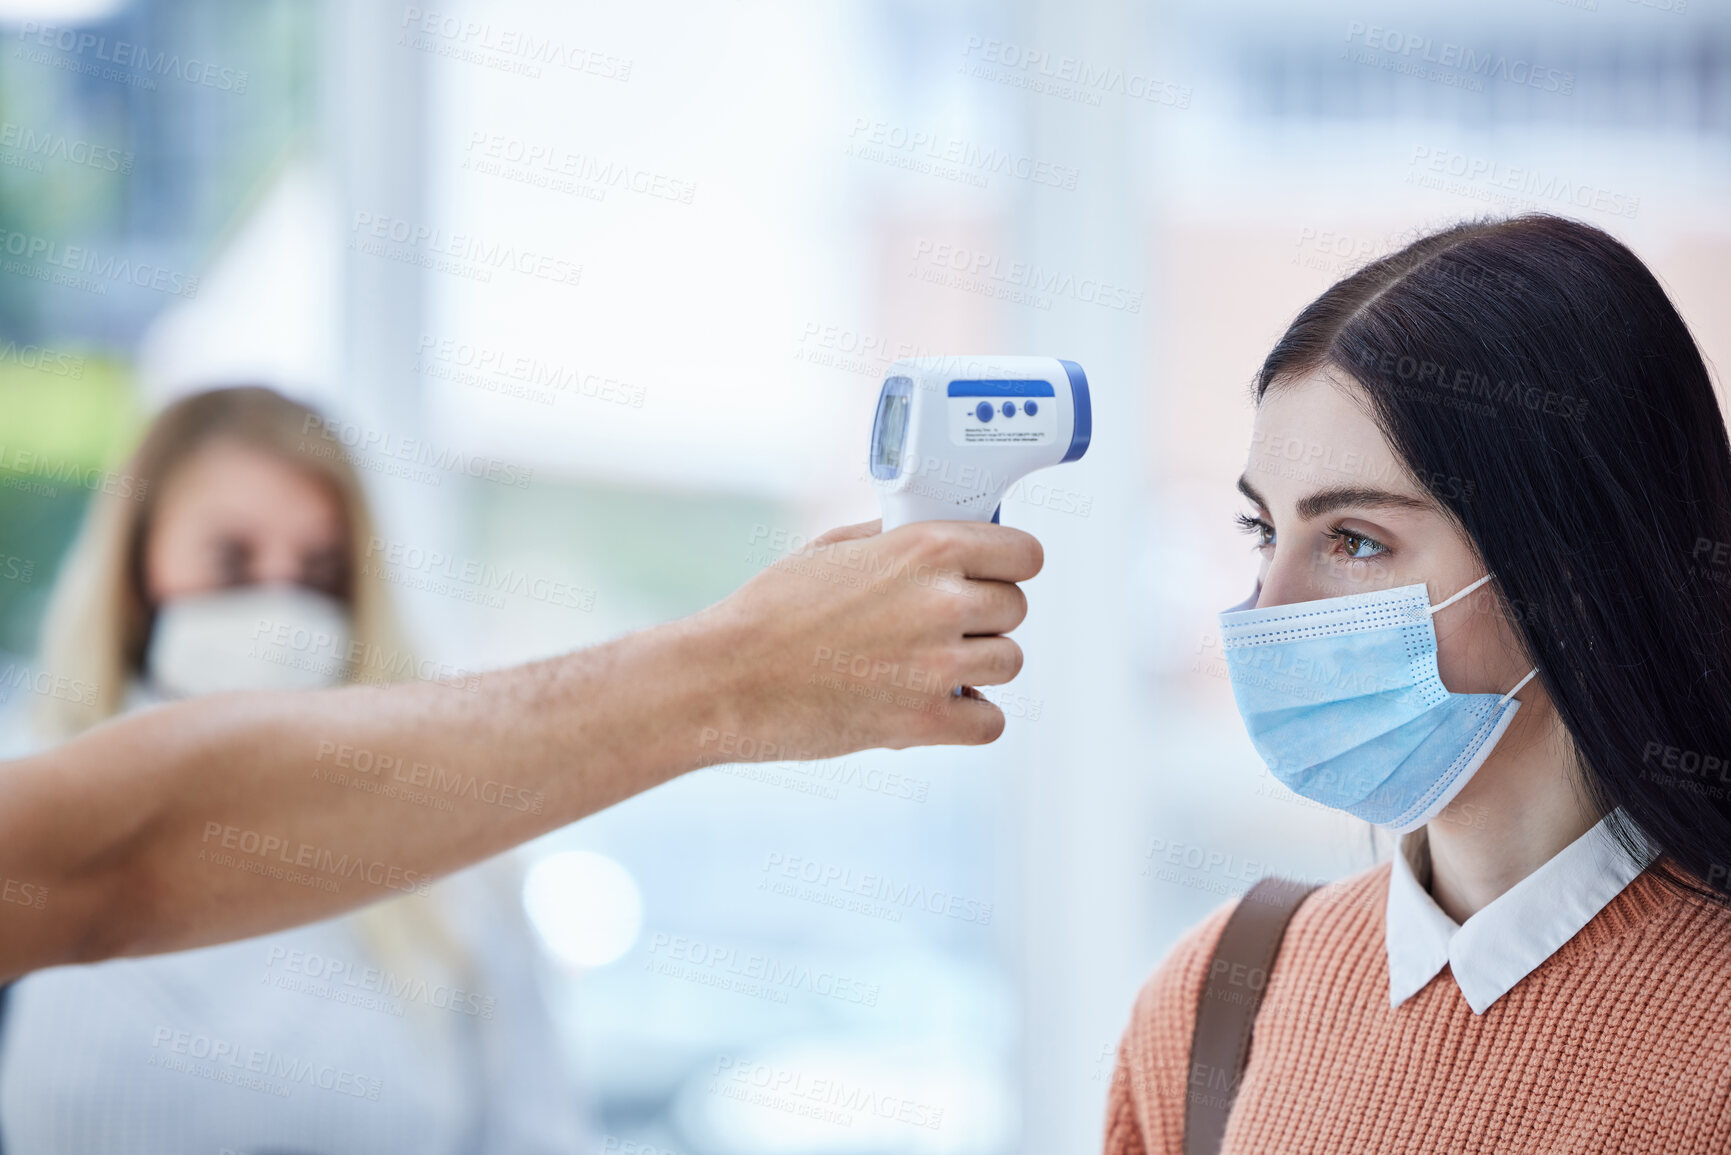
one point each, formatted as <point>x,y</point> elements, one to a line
<point>1344,702</point>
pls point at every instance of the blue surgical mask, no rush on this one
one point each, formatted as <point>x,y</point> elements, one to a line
<point>1344,702</point>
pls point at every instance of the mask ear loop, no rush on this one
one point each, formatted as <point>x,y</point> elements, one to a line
<point>1518,686</point>
<point>1447,602</point>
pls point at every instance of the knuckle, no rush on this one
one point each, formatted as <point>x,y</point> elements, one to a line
<point>939,612</point>
<point>938,544</point>
<point>943,670</point>
<point>954,613</point>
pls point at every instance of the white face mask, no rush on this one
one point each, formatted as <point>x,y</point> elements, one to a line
<point>275,637</point>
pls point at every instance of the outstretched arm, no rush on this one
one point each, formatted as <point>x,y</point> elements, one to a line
<point>238,814</point>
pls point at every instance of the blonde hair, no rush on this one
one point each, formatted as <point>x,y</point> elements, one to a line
<point>99,616</point>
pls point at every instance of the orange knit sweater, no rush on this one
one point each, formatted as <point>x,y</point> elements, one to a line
<point>1620,1041</point>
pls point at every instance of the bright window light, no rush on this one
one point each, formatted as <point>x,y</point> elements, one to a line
<point>58,11</point>
<point>585,906</point>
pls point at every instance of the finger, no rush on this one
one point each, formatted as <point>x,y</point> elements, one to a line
<point>978,549</point>
<point>849,532</point>
<point>963,720</point>
<point>991,607</point>
<point>987,661</point>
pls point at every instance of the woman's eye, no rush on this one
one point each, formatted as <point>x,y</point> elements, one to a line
<point>1358,547</point>
<point>1263,532</point>
<point>232,560</point>
<point>326,570</point>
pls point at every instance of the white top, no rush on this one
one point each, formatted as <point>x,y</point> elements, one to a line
<point>1507,940</point>
<point>295,1043</point>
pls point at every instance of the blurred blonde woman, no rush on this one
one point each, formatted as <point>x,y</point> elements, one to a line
<point>238,561</point>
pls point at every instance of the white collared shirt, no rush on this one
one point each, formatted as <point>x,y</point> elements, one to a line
<point>1507,940</point>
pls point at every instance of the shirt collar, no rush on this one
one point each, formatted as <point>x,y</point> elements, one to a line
<point>1506,941</point>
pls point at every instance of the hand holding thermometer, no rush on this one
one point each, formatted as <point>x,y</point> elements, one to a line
<point>952,434</point>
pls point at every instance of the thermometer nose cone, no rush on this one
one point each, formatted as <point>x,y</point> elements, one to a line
<point>1084,408</point>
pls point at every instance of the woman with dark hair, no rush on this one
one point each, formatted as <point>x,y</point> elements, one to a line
<point>1494,617</point>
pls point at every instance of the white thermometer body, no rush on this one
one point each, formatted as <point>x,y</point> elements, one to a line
<point>952,434</point>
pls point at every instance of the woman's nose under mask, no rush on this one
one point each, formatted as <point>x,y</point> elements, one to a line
<point>1343,701</point>
<point>255,637</point>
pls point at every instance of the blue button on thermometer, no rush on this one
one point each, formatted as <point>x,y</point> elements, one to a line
<point>936,452</point>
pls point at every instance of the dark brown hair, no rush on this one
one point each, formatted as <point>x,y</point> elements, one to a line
<point>1534,376</point>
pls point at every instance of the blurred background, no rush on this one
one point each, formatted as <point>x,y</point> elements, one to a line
<point>599,297</point>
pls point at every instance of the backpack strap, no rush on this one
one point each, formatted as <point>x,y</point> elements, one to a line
<point>5,993</point>
<point>1231,996</point>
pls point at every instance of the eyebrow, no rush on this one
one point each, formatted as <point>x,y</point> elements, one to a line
<point>1316,504</point>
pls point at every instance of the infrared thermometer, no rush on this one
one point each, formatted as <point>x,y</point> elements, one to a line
<point>952,434</point>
